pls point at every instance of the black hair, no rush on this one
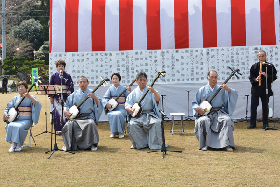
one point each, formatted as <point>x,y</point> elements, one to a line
<point>118,75</point>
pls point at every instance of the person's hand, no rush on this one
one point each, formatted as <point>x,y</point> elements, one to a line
<point>93,96</point>
<point>27,95</point>
<point>67,114</point>
<point>128,88</point>
<point>262,73</point>
<point>200,111</point>
<point>51,100</point>
<point>108,105</point>
<point>258,78</point>
<point>151,89</point>
<point>130,110</point>
<point>225,87</point>
<point>68,93</point>
<point>7,116</point>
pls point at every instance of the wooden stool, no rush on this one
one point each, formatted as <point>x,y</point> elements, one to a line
<point>177,114</point>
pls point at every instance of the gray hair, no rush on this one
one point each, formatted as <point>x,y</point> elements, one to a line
<point>263,52</point>
<point>208,74</point>
<point>141,74</point>
<point>83,77</point>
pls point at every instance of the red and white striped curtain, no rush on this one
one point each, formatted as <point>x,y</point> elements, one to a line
<point>115,25</point>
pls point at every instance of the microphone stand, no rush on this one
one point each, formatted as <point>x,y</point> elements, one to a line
<point>267,127</point>
<point>54,121</point>
<point>61,98</point>
<point>163,147</point>
<point>55,144</point>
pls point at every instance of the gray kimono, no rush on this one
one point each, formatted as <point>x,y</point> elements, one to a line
<point>215,130</point>
<point>81,132</point>
<point>145,131</point>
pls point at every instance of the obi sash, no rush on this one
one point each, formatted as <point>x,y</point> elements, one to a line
<point>58,88</point>
<point>25,111</point>
<point>121,100</point>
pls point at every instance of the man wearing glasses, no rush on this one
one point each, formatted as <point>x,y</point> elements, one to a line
<point>215,130</point>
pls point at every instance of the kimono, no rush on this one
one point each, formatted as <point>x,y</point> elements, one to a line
<point>81,132</point>
<point>145,131</point>
<point>58,104</point>
<point>215,130</point>
<point>117,116</point>
<point>28,114</point>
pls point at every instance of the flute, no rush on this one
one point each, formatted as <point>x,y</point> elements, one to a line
<point>260,80</point>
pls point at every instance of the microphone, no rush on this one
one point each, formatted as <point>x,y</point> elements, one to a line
<point>60,72</point>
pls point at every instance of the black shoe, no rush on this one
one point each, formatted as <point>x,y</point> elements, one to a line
<point>251,126</point>
<point>265,126</point>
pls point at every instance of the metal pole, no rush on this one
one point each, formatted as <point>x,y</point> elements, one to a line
<point>3,34</point>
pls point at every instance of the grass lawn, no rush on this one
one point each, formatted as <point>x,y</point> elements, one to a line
<point>254,162</point>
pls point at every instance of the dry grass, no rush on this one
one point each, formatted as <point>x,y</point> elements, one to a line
<point>255,161</point>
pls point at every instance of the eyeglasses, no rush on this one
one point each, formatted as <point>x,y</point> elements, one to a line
<point>213,77</point>
<point>82,82</point>
<point>21,87</point>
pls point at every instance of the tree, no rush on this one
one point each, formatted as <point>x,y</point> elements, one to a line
<point>43,53</point>
<point>29,30</point>
<point>38,10</point>
<point>25,47</point>
<point>13,66</point>
<point>44,17</point>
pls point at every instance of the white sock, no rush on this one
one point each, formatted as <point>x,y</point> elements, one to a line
<point>13,145</point>
<point>18,146</point>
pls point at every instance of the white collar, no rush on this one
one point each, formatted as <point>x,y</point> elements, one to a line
<point>212,89</point>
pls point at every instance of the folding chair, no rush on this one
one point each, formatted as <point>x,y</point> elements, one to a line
<point>30,136</point>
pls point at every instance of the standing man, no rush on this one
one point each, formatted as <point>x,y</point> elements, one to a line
<point>4,85</point>
<point>144,131</point>
<point>260,91</point>
<point>215,130</point>
<point>81,132</point>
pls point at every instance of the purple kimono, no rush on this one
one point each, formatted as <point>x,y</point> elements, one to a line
<point>58,104</point>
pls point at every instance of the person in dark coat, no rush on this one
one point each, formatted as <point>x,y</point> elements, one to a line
<point>67,89</point>
<point>260,91</point>
<point>4,85</point>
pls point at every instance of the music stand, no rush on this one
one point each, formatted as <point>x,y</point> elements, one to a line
<point>162,98</point>
<point>188,117</point>
<point>163,147</point>
<point>45,90</point>
<point>55,148</point>
<point>246,116</point>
